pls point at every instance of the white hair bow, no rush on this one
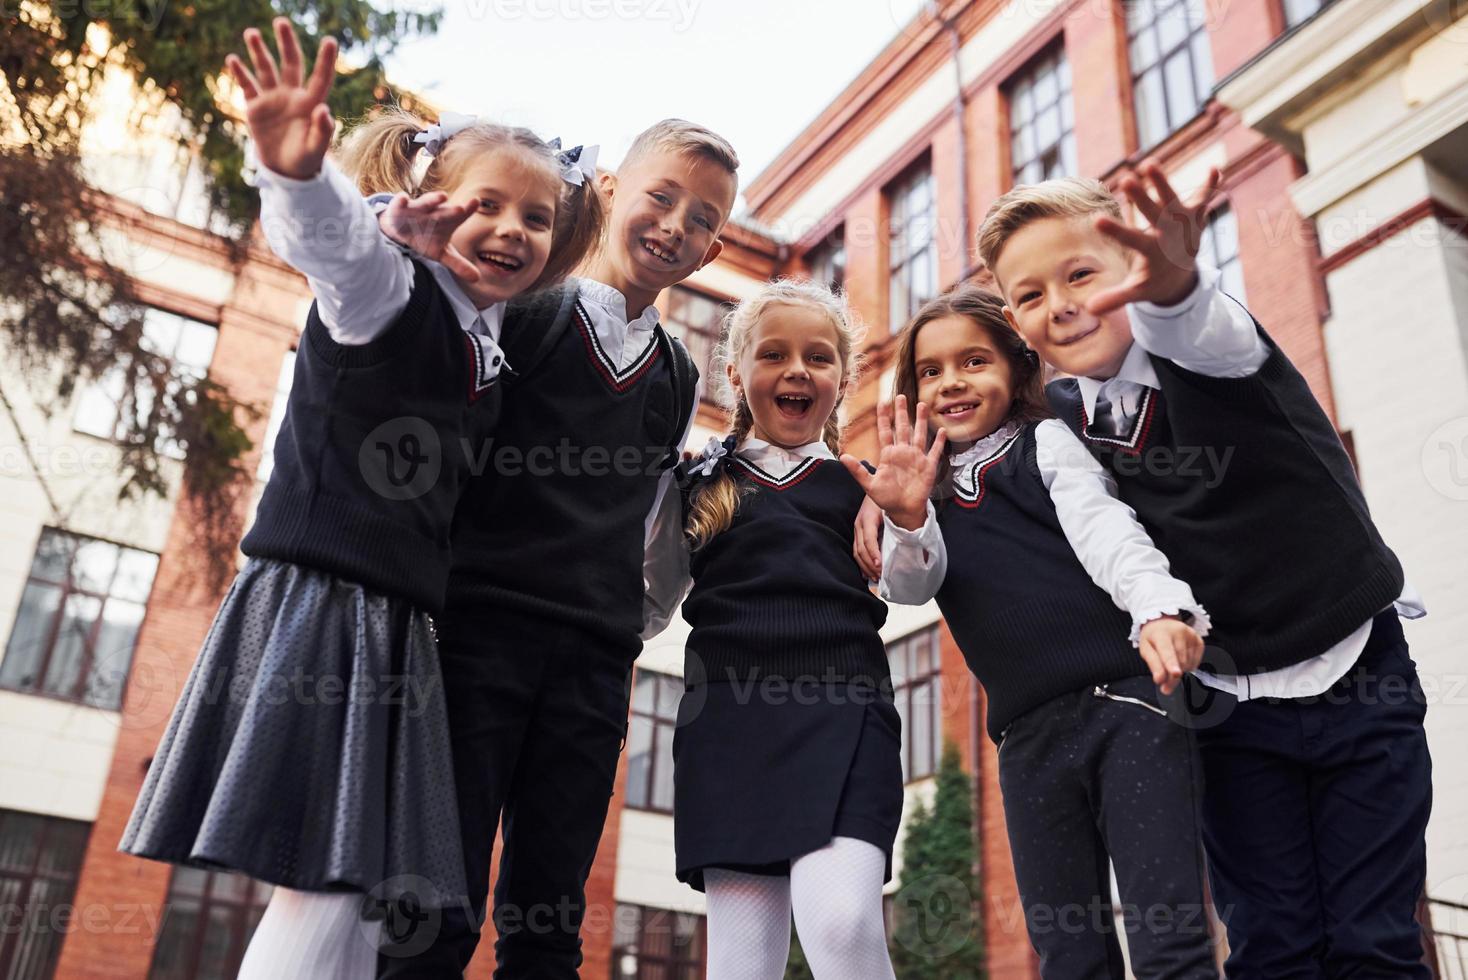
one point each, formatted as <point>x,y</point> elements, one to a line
<point>578,164</point>
<point>435,136</point>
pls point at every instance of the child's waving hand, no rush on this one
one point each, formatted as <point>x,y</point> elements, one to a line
<point>1163,257</point>
<point>286,113</point>
<point>906,470</point>
<point>426,224</point>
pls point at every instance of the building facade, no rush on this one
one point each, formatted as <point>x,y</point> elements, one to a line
<point>1339,127</point>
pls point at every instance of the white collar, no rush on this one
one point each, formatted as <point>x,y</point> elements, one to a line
<point>1136,367</point>
<point>464,308</point>
<point>756,450</point>
<point>613,302</point>
<point>985,447</point>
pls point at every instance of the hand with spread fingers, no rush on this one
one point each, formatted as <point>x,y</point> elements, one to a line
<point>425,224</point>
<point>286,112</point>
<point>1171,648</point>
<point>1163,265</point>
<point>907,467</point>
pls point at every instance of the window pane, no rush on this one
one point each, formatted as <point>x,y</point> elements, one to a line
<point>1151,108</point>
<point>229,887</point>
<point>135,571</point>
<point>670,690</point>
<point>922,647</point>
<point>277,416</point>
<point>1144,51</point>
<point>20,841</point>
<point>93,566</point>
<point>922,730</point>
<point>662,790</point>
<point>96,407</point>
<point>161,332</point>
<point>1181,105</point>
<point>195,348</point>
<point>214,958</point>
<point>902,698</point>
<point>30,636</point>
<point>64,670</point>
<point>66,842</point>
<point>53,556</point>
<point>176,942</point>
<point>644,692</point>
<point>1172,26</point>
<point>639,761</point>
<point>1138,14</point>
<point>1202,65</point>
<point>188,881</point>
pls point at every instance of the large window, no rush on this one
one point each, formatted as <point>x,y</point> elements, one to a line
<point>40,858</point>
<point>207,923</point>
<point>827,261</point>
<point>657,944</point>
<point>913,252</point>
<point>917,681</point>
<point>650,741</point>
<point>1172,66</point>
<point>1042,120</point>
<point>187,344</point>
<point>1220,247</point>
<point>73,637</point>
<point>697,319</point>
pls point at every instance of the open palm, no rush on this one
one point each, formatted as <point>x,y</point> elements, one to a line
<point>906,468</point>
<point>286,112</point>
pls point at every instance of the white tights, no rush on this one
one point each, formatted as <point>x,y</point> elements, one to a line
<point>312,936</point>
<point>836,895</point>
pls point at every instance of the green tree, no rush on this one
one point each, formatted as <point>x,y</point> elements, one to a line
<point>798,968</point>
<point>67,314</point>
<point>938,929</point>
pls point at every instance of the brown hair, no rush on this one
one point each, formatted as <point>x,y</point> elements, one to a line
<point>984,310</point>
<point>379,153</point>
<point>715,502</point>
<point>1061,197</point>
<point>682,136</point>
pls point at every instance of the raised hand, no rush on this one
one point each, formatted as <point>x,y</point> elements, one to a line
<point>287,116</point>
<point>1163,267</point>
<point>425,224</point>
<point>906,469</point>
<point>1171,648</point>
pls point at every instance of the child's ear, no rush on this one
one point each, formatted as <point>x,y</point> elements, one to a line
<point>1009,319</point>
<point>606,182</point>
<point>732,373</point>
<point>712,253</point>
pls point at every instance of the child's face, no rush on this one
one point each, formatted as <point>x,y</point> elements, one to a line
<point>509,237</point>
<point>963,378</point>
<point>790,374</point>
<point>667,210</point>
<point>1047,271</point>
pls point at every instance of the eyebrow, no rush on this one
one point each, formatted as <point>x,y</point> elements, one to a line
<point>707,207</point>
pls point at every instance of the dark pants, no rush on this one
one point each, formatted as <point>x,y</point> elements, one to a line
<point>537,718</point>
<point>1314,817</point>
<point>1088,781</point>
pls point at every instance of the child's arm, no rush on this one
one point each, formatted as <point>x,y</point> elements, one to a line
<point>665,575</point>
<point>311,215</point>
<point>1119,555</point>
<point>913,558</point>
<point>1175,307</point>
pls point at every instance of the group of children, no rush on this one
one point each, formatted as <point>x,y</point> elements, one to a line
<point>1078,564</point>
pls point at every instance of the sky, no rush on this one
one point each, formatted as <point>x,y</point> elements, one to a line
<point>599,71</point>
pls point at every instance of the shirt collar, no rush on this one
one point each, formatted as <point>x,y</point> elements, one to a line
<point>757,450</point>
<point>1136,367</point>
<point>960,463</point>
<point>613,302</point>
<point>464,308</point>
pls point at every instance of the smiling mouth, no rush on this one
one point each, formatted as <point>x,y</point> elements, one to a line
<point>793,406</point>
<point>1077,338</point>
<point>500,261</point>
<point>658,252</point>
<point>953,411</point>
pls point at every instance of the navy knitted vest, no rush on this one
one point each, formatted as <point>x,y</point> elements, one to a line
<point>369,462</point>
<point>1244,484</point>
<point>778,594</point>
<point>1029,620</point>
<point>554,520</point>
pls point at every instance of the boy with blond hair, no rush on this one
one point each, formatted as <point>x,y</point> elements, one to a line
<point>1316,768</point>
<point>545,604</point>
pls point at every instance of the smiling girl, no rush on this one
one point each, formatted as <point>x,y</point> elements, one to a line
<point>787,766</point>
<point>286,757</point>
<point>1048,582</point>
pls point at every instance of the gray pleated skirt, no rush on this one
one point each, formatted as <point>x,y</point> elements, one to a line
<point>309,747</point>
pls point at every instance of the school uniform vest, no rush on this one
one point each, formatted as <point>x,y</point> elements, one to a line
<point>369,462</point>
<point>554,520</point>
<point>778,594</point>
<point>1244,484</point>
<point>1031,623</point>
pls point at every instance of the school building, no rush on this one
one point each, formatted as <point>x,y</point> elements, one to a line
<point>1341,129</point>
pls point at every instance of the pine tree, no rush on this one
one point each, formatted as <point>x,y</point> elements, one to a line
<point>938,932</point>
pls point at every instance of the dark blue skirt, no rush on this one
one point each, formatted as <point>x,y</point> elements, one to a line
<point>309,747</point>
<point>761,777</point>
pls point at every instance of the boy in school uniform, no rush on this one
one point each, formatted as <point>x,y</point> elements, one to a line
<point>546,608</point>
<point>1316,767</point>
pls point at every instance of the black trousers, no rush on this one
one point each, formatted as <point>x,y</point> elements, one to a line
<point>1101,777</point>
<point>537,719</point>
<point>1314,817</point>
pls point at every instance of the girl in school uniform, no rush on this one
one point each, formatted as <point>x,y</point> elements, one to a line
<point>787,766</point>
<point>1052,589</point>
<point>309,746</point>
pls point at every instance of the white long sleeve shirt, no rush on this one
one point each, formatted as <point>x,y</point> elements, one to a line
<point>1210,333</point>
